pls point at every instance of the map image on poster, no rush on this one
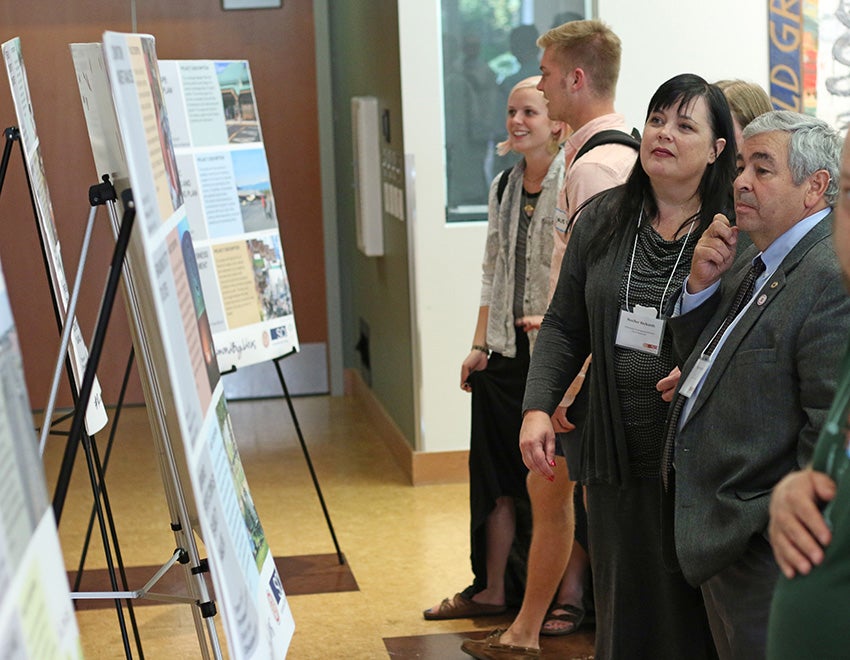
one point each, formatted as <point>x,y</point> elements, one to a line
<point>225,180</point>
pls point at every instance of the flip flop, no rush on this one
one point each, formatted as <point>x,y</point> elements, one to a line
<point>570,614</point>
<point>461,607</point>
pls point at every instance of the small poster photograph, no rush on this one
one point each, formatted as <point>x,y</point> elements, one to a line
<point>270,277</point>
<point>254,189</point>
<point>195,290</point>
<point>237,97</point>
<point>167,157</point>
<point>259,545</point>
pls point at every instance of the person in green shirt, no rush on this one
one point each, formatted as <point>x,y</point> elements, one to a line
<point>810,516</point>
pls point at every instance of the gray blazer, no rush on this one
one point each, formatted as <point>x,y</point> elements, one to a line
<point>762,404</point>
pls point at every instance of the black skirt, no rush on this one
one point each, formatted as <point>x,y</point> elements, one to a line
<point>644,611</point>
<point>495,463</point>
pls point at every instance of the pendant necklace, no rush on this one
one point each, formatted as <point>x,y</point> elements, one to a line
<point>529,201</point>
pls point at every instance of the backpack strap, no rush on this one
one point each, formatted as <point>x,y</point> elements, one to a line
<point>503,183</point>
<point>610,136</point>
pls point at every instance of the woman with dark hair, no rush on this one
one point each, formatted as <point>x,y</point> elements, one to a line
<point>626,258</point>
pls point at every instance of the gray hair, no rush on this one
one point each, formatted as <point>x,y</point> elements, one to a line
<point>814,145</point>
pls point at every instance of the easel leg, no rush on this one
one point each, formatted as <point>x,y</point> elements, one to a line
<point>77,433</point>
<point>307,455</point>
<point>101,471</point>
<point>115,417</point>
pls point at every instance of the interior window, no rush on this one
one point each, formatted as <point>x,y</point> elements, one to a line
<point>488,46</point>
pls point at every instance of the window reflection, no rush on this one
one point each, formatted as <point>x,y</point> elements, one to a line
<point>488,46</point>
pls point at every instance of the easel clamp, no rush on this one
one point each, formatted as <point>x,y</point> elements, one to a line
<point>101,193</point>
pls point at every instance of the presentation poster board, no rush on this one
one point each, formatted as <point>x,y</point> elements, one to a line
<point>224,177</point>
<point>257,619</point>
<point>36,615</point>
<point>96,416</point>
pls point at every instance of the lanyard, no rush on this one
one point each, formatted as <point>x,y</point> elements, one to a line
<point>672,272</point>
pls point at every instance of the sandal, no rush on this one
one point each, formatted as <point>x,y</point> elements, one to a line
<point>461,607</point>
<point>567,613</point>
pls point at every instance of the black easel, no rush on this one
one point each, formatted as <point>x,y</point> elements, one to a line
<point>116,413</point>
<point>12,134</point>
<point>78,434</point>
<point>304,449</point>
<point>306,453</point>
<point>186,553</point>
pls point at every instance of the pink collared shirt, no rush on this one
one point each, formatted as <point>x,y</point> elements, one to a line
<point>604,167</point>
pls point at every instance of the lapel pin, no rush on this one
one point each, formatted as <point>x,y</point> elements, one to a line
<point>774,284</point>
<point>762,299</point>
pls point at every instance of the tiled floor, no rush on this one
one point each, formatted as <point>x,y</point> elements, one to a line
<point>406,547</point>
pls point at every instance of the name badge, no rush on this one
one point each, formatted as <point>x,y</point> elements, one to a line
<point>695,376</point>
<point>640,330</point>
<point>561,219</point>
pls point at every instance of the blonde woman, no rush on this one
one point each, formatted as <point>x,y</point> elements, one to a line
<point>514,296</point>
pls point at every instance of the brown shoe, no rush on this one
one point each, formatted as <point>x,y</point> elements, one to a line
<point>461,607</point>
<point>490,648</point>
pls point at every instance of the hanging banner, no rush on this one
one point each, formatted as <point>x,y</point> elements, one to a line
<point>810,58</point>
<point>792,30</point>
<point>833,63</point>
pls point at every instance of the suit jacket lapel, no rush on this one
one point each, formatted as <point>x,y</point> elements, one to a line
<point>762,298</point>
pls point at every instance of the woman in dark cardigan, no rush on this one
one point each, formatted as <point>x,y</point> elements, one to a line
<point>630,252</point>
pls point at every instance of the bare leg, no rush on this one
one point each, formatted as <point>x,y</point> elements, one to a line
<point>501,527</point>
<point>551,539</point>
<point>571,589</point>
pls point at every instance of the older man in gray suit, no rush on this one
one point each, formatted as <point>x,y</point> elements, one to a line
<point>760,334</point>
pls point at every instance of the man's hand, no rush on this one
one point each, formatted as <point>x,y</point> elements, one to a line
<point>798,532</point>
<point>667,385</point>
<point>537,443</point>
<point>713,254</point>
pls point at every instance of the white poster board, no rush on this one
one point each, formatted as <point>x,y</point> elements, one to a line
<point>36,615</point>
<point>258,622</point>
<point>224,176</point>
<point>96,416</point>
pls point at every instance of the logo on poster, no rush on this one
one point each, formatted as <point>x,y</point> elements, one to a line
<point>279,333</point>
<point>273,606</point>
<point>266,341</point>
<point>276,586</point>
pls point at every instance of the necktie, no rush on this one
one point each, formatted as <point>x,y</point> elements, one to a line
<point>742,297</point>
